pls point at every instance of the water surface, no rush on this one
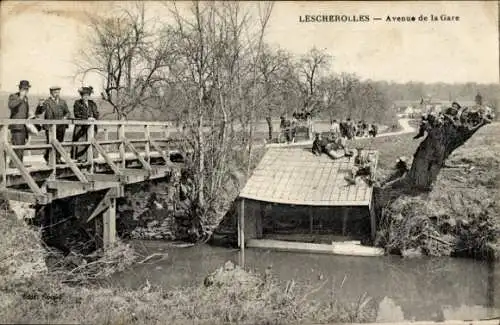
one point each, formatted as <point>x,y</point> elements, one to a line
<point>416,289</point>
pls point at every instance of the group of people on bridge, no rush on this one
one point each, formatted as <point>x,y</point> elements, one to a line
<point>51,108</point>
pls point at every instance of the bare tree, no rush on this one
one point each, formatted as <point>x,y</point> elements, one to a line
<point>124,49</point>
<point>310,67</point>
<point>331,91</point>
<point>215,75</point>
<point>276,71</point>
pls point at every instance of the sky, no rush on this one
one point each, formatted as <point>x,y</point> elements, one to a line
<point>40,40</point>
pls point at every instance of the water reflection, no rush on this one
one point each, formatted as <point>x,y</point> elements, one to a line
<point>418,289</point>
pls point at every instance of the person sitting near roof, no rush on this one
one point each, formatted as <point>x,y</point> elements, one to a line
<point>318,144</point>
<point>334,147</point>
<point>401,168</point>
<point>363,166</point>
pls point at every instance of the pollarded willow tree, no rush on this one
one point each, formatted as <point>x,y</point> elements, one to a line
<point>444,135</point>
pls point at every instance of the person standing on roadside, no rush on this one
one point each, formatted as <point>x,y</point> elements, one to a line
<point>54,108</point>
<point>83,109</point>
<point>19,109</point>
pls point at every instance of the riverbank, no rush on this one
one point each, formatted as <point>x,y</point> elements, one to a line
<point>460,216</point>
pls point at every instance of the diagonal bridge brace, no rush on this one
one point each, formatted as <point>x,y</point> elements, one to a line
<point>24,171</point>
<point>143,162</point>
<point>156,147</point>
<point>106,157</point>
<point>104,204</point>
<point>78,173</point>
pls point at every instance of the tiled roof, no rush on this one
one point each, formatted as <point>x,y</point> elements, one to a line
<point>296,176</point>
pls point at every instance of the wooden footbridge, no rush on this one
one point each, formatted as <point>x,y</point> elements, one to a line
<point>120,153</point>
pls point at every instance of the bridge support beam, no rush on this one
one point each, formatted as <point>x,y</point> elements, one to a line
<point>109,225</point>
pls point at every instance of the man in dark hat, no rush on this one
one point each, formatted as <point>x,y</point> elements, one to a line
<point>19,109</point>
<point>83,109</point>
<point>54,108</point>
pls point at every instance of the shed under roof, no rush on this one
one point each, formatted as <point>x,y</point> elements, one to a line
<point>296,176</point>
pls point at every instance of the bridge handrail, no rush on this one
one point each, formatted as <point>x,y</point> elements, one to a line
<point>4,122</point>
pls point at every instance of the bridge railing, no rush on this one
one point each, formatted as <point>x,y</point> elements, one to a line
<point>125,139</point>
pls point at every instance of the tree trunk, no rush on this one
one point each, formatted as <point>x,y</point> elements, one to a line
<point>428,160</point>
<point>443,137</point>
<point>270,126</point>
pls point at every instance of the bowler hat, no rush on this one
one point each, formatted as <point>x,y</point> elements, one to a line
<point>54,88</point>
<point>86,90</point>
<point>24,84</point>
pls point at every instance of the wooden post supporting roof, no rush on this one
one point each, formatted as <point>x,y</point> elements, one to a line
<point>241,234</point>
<point>241,225</point>
<point>373,220</point>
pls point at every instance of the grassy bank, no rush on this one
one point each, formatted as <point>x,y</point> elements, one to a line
<point>461,216</point>
<point>66,292</point>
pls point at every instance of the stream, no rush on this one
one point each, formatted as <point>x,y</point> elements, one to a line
<point>421,289</point>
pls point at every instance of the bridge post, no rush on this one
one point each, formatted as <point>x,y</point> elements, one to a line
<point>109,225</point>
<point>147,144</point>
<point>121,137</point>
<point>52,152</point>
<point>90,150</point>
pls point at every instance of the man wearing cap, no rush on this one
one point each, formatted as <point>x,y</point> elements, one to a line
<point>83,109</point>
<point>19,109</point>
<point>54,108</point>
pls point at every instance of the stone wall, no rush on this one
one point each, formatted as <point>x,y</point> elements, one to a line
<point>153,210</point>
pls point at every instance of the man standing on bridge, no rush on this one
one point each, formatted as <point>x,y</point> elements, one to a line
<point>54,108</point>
<point>83,109</point>
<point>19,109</point>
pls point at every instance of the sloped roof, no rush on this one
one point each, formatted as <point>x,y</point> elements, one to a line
<point>296,176</point>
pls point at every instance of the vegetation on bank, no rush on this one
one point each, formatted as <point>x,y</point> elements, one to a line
<point>464,221</point>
